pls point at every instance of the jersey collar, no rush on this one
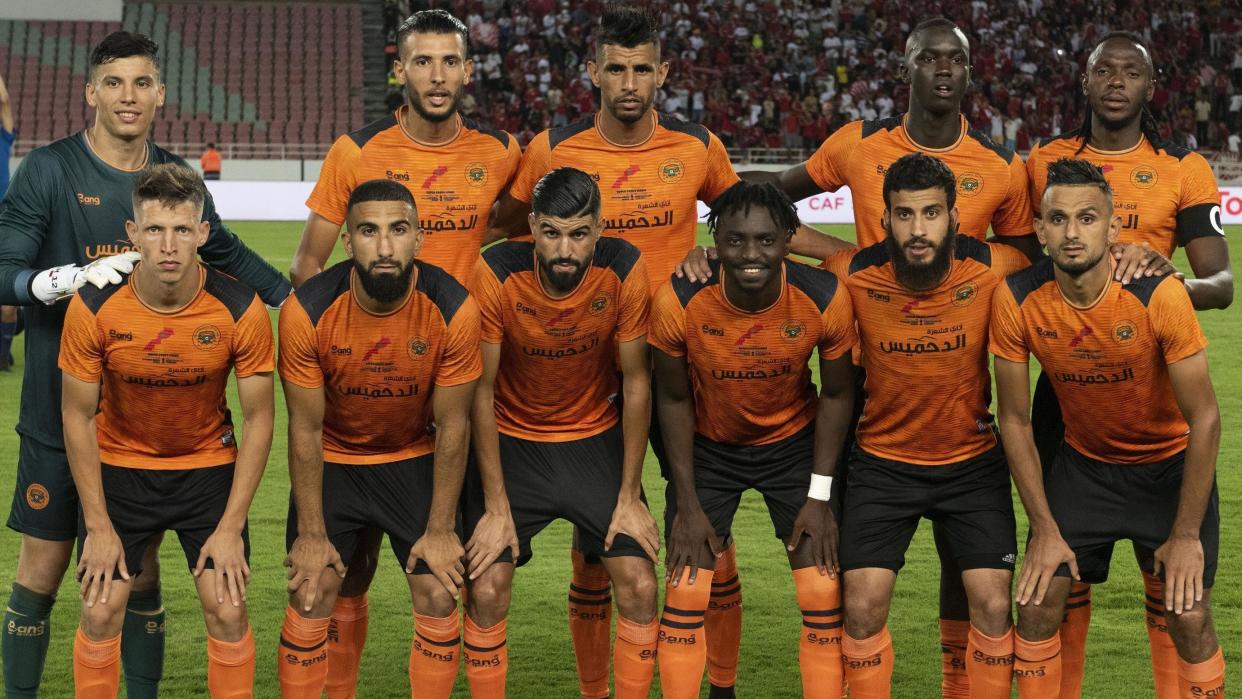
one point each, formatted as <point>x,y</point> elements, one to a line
<point>1141,142</point>
<point>461,128</point>
<point>961,136</point>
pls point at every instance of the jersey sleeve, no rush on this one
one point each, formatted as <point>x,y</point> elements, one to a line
<point>81,345</point>
<point>720,173</point>
<point>461,362</point>
<point>1007,334</point>
<point>827,166</point>
<point>253,349</point>
<point>839,263</point>
<point>226,252</point>
<point>838,336</point>
<point>489,295</point>
<point>1015,216</point>
<point>1198,209</point>
<point>635,312</point>
<point>25,214</point>
<point>1006,259</point>
<point>1174,322</point>
<point>667,331</point>
<point>536,162</point>
<point>336,181</point>
<point>299,347</point>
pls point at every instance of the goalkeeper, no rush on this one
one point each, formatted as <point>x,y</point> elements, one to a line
<point>62,225</point>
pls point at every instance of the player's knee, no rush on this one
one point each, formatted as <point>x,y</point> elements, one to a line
<point>102,621</point>
<point>488,601</point>
<point>224,621</point>
<point>635,594</point>
<point>431,599</point>
<point>991,613</point>
<point>1038,622</point>
<point>41,564</point>
<point>1193,632</point>
<point>865,612</point>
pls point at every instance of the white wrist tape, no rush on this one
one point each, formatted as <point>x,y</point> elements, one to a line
<point>821,487</point>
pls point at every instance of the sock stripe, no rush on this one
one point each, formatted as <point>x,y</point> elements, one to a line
<point>683,612</point>
<point>301,649</point>
<point>1076,594</point>
<point>681,624</point>
<point>1021,659</point>
<point>1155,611</point>
<point>590,590</point>
<point>951,648</point>
<point>443,644</point>
<point>823,625</point>
<point>590,602</point>
<point>1077,605</point>
<point>483,649</point>
<point>1154,600</point>
<point>821,612</point>
<point>736,589</point>
<point>724,583</point>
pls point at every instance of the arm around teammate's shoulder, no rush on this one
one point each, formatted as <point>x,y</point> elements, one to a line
<point>227,253</point>
<point>318,240</point>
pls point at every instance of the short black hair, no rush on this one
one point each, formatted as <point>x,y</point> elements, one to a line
<point>379,190</point>
<point>628,26</point>
<point>433,22</point>
<point>744,195</point>
<point>123,44</point>
<point>170,184</point>
<point>935,23</point>
<point>916,172</point>
<point>1074,172</point>
<point>565,192</point>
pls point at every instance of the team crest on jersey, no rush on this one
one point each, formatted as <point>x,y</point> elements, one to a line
<point>1143,177</point>
<point>970,184</point>
<point>792,329</point>
<point>671,170</point>
<point>418,346</point>
<point>206,337</point>
<point>1124,332</point>
<point>476,174</point>
<point>965,294</point>
<point>599,303</point>
<point>37,496</point>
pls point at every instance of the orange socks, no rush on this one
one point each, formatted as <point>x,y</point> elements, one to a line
<point>819,647</point>
<point>868,665</point>
<point>954,635</point>
<point>1037,667</point>
<point>302,664</point>
<point>230,667</point>
<point>433,656</point>
<point>723,621</point>
<point>486,658</point>
<point>1205,679</point>
<point>989,664</point>
<point>1164,660</point>
<point>96,667</point>
<point>590,624</point>
<point>682,646</point>
<point>347,634</point>
<point>1074,639</point>
<point>634,657</point>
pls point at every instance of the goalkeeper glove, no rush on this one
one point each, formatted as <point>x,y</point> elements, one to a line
<point>57,283</point>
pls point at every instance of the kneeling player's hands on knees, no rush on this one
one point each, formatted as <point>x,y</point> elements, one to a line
<point>632,518</point>
<point>307,558</point>
<point>690,533</point>
<point>443,554</point>
<point>695,265</point>
<point>1140,260</point>
<point>1181,560</point>
<point>102,553</point>
<point>1045,552</point>
<point>227,553</point>
<point>494,533</point>
<point>815,522</point>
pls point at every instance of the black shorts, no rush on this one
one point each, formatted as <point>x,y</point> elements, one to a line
<point>577,481</point>
<point>45,501</point>
<point>1096,504</point>
<point>394,497</point>
<point>970,500</point>
<point>780,471</point>
<point>1047,424</point>
<point>144,503</point>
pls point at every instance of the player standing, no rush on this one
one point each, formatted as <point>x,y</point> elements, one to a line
<point>1142,431</point>
<point>149,437</point>
<point>739,411</point>
<point>60,227</point>
<point>372,350</point>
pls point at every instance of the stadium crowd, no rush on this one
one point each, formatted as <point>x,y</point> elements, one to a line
<point>786,73</point>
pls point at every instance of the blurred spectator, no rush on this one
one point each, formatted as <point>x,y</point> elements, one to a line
<point>210,161</point>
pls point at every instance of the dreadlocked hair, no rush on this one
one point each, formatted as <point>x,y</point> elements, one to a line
<point>744,195</point>
<point>1147,121</point>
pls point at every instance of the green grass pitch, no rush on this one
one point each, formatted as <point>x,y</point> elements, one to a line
<point>541,657</point>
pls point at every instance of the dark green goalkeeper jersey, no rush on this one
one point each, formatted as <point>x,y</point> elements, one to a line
<point>64,206</point>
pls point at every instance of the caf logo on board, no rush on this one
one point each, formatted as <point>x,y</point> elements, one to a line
<point>1143,177</point>
<point>965,294</point>
<point>671,170</point>
<point>476,174</point>
<point>206,337</point>
<point>418,347</point>
<point>970,184</point>
<point>1124,332</point>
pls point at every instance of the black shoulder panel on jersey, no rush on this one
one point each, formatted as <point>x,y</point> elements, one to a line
<point>509,257</point>
<point>321,291</point>
<point>444,291</point>
<point>871,256</point>
<point>1142,288</point>
<point>559,134</point>
<point>1067,136</point>
<point>698,131</point>
<point>366,133</point>
<point>967,248</point>
<point>616,254</point>
<point>1174,150</point>
<point>235,295</point>
<point>494,133</point>
<point>870,127</point>
<point>686,289</point>
<point>982,138</point>
<point>816,282</point>
<point>1028,280</point>
<point>95,298</point>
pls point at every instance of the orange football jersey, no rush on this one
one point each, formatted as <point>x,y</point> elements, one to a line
<point>454,184</point>
<point>378,373</point>
<point>649,192</point>
<point>1109,364</point>
<point>1165,197</point>
<point>557,379</point>
<point>162,404</point>
<point>991,181</point>
<point>750,371</point>
<point>925,353</point>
